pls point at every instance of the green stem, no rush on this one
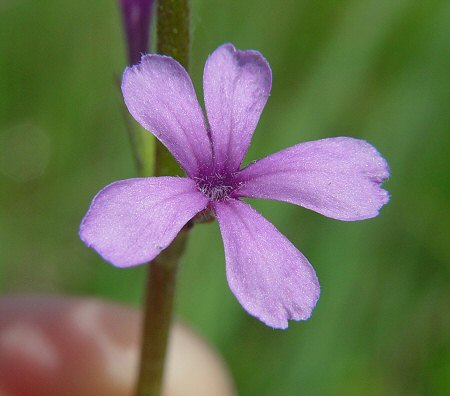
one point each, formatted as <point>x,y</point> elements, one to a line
<point>157,318</point>
<point>173,40</point>
<point>173,30</point>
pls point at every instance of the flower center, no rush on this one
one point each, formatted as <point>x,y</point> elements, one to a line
<point>217,187</point>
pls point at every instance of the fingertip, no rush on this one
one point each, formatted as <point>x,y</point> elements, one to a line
<point>194,367</point>
<point>55,345</point>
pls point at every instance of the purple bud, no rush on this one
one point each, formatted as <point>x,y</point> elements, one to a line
<point>136,16</point>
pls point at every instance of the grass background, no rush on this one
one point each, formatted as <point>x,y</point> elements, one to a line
<point>372,69</point>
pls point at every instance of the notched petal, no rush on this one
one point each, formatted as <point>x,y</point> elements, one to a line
<point>338,177</point>
<point>131,221</point>
<point>159,94</point>
<point>271,279</point>
<point>236,86</point>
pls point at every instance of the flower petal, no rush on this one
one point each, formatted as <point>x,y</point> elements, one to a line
<point>131,221</point>
<point>268,275</point>
<point>236,86</point>
<point>337,177</point>
<point>160,96</point>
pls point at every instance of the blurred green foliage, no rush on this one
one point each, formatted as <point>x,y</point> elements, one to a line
<point>373,69</point>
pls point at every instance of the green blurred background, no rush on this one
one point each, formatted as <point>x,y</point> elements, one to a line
<point>373,69</point>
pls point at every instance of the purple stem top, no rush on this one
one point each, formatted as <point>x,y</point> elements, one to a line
<point>137,16</point>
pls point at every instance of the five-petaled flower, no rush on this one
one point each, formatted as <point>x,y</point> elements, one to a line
<point>131,221</point>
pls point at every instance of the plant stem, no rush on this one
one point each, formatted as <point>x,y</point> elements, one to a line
<point>173,39</point>
<point>158,315</point>
<point>173,32</point>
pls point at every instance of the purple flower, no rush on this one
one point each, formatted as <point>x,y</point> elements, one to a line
<point>136,15</point>
<point>131,221</point>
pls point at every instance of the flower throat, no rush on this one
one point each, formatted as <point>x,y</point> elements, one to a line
<point>217,187</point>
